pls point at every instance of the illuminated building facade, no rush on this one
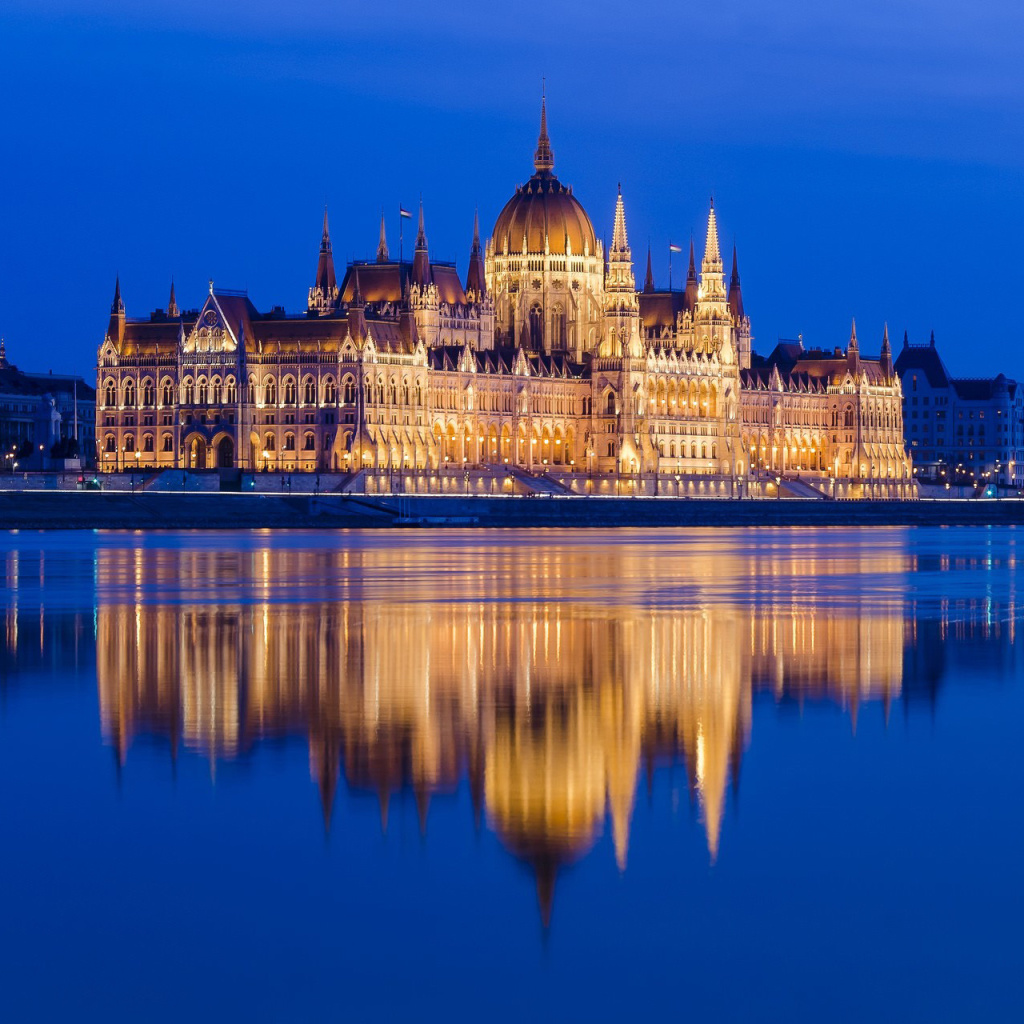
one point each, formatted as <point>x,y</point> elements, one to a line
<point>546,369</point>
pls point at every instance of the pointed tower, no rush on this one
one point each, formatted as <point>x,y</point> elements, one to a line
<point>853,349</point>
<point>476,281</point>
<point>712,278</point>
<point>741,321</point>
<point>382,245</point>
<point>3,355</point>
<point>324,293</point>
<point>172,304</point>
<point>115,329</point>
<point>543,158</point>
<point>622,308</point>
<point>649,277</point>
<point>692,287</point>
<point>886,357</point>
<point>421,258</point>
<point>735,294</point>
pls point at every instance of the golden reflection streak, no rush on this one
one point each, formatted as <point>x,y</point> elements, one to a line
<point>550,707</point>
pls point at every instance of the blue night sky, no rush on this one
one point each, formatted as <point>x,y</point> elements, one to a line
<point>866,158</point>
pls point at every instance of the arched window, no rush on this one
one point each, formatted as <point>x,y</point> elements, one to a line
<point>536,327</point>
<point>129,393</point>
<point>309,392</point>
<point>289,391</point>
<point>168,393</point>
<point>270,391</point>
<point>186,391</point>
<point>148,395</point>
<point>330,391</point>
<point>308,442</point>
<point>268,443</point>
<point>168,443</point>
<point>558,328</point>
<point>231,396</point>
<point>611,403</point>
<point>110,444</point>
<point>147,443</point>
<point>251,391</point>
<point>848,416</point>
<point>350,392</point>
<point>289,442</point>
<point>129,443</point>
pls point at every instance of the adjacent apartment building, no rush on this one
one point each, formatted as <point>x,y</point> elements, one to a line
<point>961,431</point>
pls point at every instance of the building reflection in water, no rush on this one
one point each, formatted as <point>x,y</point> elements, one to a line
<point>552,709</point>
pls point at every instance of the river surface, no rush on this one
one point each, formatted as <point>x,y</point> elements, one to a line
<point>728,775</point>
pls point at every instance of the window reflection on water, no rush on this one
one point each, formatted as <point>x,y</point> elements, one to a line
<point>552,674</point>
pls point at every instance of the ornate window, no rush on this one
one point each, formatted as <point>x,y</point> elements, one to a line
<point>289,442</point>
<point>330,391</point>
<point>349,391</point>
<point>268,443</point>
<point>270,392</point>
<point>309,392</point>
<point>168,444</point>
<point>308,442</point>
<point>129,393</point>
<point>289,391</point>
<point>148,394</point>
<point>147,443</point>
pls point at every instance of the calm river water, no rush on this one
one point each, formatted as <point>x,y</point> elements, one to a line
<point>714,774</point>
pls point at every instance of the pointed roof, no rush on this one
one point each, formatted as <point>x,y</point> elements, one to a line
<point>649,278</point>
<point>117,306</point>
<point>543,158</point>
<point>735,293</point>
<point>382,245</point>
<point>172,303</point>
<point>620,243</point>
<point>325,278</point>
<point>476,279</point>
<point>421,260</point>
<point>853,333</point>
<point>692,288</point>
<point>712,253</point>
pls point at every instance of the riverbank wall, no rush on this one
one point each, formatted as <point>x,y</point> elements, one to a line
<point>98,510</point>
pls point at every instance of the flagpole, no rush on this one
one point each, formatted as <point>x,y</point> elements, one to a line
<point>401,235</point>
<point>670,267</point>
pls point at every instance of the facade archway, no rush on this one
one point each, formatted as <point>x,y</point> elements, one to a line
<point>225,453</point>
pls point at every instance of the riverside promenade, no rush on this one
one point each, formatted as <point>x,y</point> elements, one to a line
<point>99,510</point>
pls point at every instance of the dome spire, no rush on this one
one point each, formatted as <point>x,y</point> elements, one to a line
<point>543,159</point>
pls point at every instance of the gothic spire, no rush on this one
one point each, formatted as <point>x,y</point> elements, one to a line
<point>476,283</point>
<point>325,238</point>
<point>853,333</point>
<point>543,159</point>
<point>690,299</point>
<point>712,254</point>
<point>421,259</point>
<point>117,306</point>
<point>886,357</point>
<point>620,243</point>
<point>382,245</point>
<point>649,279</point>
<point>172,306</point>
<point>325,287</point>
<point>735,293</point>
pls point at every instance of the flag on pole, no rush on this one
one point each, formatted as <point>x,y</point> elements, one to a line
<point>403,212</point>
<point>674,248</point>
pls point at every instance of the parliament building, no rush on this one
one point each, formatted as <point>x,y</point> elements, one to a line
<point>547,370</point>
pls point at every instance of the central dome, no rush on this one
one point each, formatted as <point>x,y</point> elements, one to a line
<point>544,210</point>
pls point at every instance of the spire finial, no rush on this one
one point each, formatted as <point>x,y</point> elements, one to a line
<point>382,245</point>
<point>476,228</point>
<point>649,279</point>
<point>885,336</point>
<point>543,159</point>
<point>172,304</point>
<point>3,353</point>
<point>853,331</point>
<point>117,306</point>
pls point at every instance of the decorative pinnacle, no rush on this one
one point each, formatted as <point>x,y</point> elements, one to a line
<point>543,159</point>
<point>325,238</point>
<point>421,235</point>
<point>382,245</point>
<point>619,241</point>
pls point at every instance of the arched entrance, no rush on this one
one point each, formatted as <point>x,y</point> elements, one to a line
<point>195,453</point>
<point>226,453</point>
